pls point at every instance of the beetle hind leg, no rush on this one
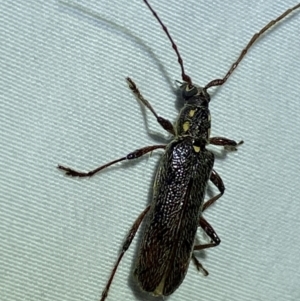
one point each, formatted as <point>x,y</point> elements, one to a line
<point>199,266</point>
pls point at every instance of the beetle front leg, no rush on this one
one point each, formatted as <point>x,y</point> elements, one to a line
<point>165,123</point>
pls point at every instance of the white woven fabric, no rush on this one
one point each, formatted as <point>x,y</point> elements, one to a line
<point>64,100</point>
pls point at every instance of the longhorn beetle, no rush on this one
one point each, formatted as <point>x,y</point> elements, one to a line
<point>186,166</point>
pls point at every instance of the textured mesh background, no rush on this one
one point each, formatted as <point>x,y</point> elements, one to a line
<point>64,100</point>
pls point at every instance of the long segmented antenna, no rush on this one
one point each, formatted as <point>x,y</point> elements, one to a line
<point>184,76</point>
<point>220,82</point>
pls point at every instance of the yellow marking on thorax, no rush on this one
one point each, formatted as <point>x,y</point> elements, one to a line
<point>192,113</point>
<point>197,149</point>
<point>186,126</point>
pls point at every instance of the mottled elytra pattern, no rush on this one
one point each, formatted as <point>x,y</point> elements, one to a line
<point>186,166</point>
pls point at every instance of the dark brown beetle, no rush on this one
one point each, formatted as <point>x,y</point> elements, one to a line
<point>185,168</point>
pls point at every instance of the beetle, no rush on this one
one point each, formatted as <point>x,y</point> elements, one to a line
<point>185,168</point>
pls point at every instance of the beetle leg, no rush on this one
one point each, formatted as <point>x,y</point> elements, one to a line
<point>217,181</point>
<point>165,123</point>
<point>133,155</point>
<point>125,247</point>
<point>229,145</point>
<point>215,240</point>
<point>208,229</point>
<point>199,266</point>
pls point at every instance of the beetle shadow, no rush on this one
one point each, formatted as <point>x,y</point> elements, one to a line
<point>118,29</point>
<point>121,30</point>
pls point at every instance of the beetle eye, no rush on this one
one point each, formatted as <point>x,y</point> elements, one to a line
<point>188,92</point>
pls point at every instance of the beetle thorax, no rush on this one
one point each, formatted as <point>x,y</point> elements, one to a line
<point>193,121</point>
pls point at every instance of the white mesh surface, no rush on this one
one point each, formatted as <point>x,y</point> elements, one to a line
<point>64,100</point>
